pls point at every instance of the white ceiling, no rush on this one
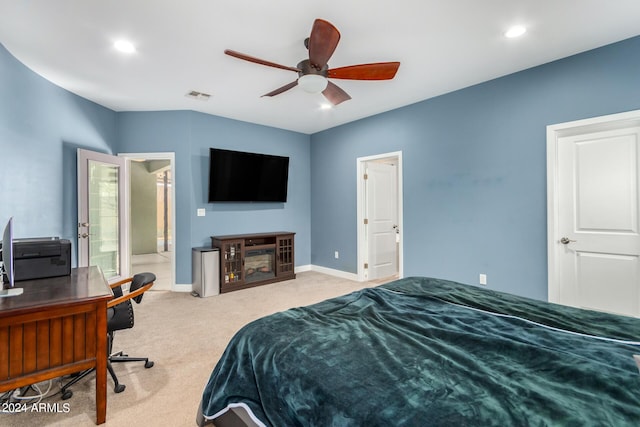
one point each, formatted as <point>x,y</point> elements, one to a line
<point>443,45</point>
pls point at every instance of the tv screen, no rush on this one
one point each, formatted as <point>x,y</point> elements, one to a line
<point>237,176</point>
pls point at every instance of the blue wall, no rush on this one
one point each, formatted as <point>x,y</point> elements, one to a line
<point>190,135</point>
<point>41,127</point>
<point>474,169</point>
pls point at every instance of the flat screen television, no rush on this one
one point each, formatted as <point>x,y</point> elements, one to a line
<point>237,176</point>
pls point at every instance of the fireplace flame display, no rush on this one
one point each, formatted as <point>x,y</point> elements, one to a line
<point>259,264</point>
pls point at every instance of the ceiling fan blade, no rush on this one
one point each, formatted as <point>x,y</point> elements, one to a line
<point>322,42</point>
<point>258,60</point>
<point>282,89</point>
<point>376,71</point>
<point>334,94</point>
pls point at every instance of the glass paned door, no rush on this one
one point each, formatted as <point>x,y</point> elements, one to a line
<point>101,213</point>
<point>103,217</point>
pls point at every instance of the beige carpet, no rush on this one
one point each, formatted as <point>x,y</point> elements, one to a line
<point>184,336</point>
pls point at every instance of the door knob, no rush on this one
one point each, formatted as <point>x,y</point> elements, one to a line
<point>566,240</point>
<point>84,235</point>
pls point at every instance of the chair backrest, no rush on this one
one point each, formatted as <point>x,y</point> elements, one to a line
<point>120,316</point>
<point>138,281</point>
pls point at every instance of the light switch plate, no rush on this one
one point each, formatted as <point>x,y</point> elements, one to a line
<point>201,212</point>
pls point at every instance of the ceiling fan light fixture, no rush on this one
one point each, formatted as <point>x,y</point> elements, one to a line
<point>313,73</point>
<point>313,83</point>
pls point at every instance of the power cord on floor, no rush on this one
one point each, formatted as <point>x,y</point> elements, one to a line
<point>21,394</point>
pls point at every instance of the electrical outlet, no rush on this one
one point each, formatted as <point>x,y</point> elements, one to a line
<point>336,255</point>
<point>483,279</point>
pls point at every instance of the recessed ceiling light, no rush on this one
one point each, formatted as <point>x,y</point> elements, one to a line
<point>124,46</point>
<point>515,31</point>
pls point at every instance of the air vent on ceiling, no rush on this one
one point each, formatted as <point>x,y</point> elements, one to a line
<point>198,95</point>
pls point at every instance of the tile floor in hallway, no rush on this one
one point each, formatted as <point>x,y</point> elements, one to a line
<point>158,264</point>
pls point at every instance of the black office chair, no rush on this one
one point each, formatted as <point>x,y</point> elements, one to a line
<point>119,317</point>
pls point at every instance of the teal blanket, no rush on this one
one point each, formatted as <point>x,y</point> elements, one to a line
<point>428,352</point>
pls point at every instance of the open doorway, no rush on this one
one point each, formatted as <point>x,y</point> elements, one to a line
<point>379,211</point>
<point>151,216</point>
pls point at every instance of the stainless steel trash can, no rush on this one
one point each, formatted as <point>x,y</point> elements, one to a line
<point>205,271</point>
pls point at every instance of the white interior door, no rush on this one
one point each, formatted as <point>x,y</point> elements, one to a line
<point>381,219</point>
<point>596,244</point>
<point>102,239</point>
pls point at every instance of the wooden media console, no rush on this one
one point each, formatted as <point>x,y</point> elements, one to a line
<point>248,260</point>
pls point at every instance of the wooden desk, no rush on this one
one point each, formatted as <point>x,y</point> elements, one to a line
<point>58,326</point>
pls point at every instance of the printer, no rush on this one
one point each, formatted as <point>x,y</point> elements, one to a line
<point>39,258</point>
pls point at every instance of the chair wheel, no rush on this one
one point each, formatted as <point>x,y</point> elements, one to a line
<point>148,364</point>
<point>67,395</point>
<point>119,388</point>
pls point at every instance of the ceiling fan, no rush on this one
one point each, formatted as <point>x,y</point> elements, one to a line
<point>314,72</point>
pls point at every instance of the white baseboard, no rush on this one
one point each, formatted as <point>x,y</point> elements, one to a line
<point>336,273</point>
<point>303,268</point>
<point>299,269</point>
<point>181,288</point>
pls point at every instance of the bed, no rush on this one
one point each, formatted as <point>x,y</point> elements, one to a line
<point>424,351</point>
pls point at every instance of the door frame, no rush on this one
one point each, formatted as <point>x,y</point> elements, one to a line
<point>554,134</point>
<point>361,208</point>
<point>154,156</point>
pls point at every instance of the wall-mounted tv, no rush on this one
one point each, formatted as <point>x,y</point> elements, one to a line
<point>237,176</point>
